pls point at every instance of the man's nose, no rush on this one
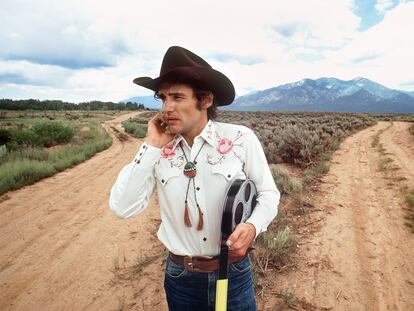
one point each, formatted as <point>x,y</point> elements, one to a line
<point>167,106</point>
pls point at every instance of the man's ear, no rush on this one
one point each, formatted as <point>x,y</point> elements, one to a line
<point>207,101</point>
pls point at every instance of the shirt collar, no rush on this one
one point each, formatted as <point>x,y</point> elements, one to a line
<point>208,134</point>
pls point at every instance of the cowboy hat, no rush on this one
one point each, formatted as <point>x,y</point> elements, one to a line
<point>181,62</point>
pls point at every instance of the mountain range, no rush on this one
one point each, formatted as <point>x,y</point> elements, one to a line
<point>324,94</point>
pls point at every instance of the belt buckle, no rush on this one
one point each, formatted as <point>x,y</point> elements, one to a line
<point>188,264</point>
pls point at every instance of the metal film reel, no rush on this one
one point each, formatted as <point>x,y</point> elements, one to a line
<point>239,203</point>
<point>244,202</point>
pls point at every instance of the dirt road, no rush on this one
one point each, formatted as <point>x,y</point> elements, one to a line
<point>59,241</point>
<point>362,257</point>
<point>62,249</point>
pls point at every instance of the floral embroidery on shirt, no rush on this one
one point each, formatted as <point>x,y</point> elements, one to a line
<point>223,148</point>
<point>177,162</point>
<point>209,131</point>
<point>168,150</point>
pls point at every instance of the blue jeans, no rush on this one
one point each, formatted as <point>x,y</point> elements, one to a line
<point>187,291</point>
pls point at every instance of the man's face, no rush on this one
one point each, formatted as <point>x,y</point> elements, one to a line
<point>180,108</point>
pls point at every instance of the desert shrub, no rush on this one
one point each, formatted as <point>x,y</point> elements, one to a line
<point>14,175</point>
<point>29,153</point>
<point>53,133</point>
<point>315,171</point>
<point>298,146</point>
<point>136,129</point>
<point>5,136</point>
<point>23,137</point>
<point>284,182</point>
<point>277,245</point>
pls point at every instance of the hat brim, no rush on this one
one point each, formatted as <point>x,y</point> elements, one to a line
<point>214,80</point>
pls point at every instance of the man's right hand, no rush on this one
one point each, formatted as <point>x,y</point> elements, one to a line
<point>156,134</point>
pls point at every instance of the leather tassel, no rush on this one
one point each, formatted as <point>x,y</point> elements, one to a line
<point>200,219</point>
<point>187,220</point>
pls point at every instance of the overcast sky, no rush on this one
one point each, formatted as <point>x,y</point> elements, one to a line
<point>81,50</point>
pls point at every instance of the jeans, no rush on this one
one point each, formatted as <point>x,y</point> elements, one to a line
<point>188,291</point>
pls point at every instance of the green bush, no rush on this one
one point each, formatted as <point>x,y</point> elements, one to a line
<point>136,129</point>
<point>14,175</point>
<point>53,133</point>
<point>23,137</point>
<point>5,136</point>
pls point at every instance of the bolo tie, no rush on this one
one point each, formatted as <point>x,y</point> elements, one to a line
<point>190,170</point>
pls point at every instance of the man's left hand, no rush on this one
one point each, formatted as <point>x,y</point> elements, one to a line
<point>241,238</point>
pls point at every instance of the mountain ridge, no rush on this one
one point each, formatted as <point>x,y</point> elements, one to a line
<point>323,94</point>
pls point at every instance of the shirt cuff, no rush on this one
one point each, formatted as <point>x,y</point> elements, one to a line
<point>147,155</point>
<point>256,226</point>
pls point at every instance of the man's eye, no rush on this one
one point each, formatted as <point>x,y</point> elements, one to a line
<point>160,97</point>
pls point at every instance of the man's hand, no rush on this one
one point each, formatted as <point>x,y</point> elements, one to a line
<point>240,240</point>
<point>157,135</point>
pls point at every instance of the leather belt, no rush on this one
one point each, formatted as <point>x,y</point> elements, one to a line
<point>204,264</point>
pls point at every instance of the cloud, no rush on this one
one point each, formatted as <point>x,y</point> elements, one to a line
<point>56,33</point>
<point>381,6</point>
<point>84,50</point>
<point>384,52</point>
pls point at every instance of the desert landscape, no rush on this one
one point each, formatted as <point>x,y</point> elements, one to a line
<point>62,249</point>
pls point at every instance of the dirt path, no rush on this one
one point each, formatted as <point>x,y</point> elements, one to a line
<point>362,257</point>
<point>59,241</point>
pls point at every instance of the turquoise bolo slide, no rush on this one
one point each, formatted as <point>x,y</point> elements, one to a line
<point>239,203</point>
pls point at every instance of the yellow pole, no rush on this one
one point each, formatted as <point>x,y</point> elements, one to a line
<point>221,295</point>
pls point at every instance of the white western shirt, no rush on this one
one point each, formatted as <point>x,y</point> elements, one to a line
<point>229,152</point>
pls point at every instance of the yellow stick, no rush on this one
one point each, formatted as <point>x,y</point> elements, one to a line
<point>221,295</point>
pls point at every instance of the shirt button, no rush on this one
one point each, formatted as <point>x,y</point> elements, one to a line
<point>162,180</point>
<point>198,188</point>
<point>204,239</point>
<point>138,161</point>
<point>228,175</point>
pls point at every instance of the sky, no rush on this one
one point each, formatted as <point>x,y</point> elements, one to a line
<point>83,50</point>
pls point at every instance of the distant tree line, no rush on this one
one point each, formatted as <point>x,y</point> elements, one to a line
<point>35,104</point>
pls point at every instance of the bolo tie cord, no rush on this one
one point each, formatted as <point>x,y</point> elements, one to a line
<point>187,220</point>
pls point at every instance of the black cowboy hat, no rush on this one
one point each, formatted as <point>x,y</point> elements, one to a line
<point>181,62</point>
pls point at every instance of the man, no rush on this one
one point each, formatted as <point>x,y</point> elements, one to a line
<point>192,160</point>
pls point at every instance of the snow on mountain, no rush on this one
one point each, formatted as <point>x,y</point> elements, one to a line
<point>329,94</point>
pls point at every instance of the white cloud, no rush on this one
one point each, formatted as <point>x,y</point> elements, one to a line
<point>381,6</point>
<point>384,52</point>
<point>85,50</point>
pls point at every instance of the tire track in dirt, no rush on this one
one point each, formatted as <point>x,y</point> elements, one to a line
<point>59,240</point>
<point>361,258</point>
<point>399,144</point>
